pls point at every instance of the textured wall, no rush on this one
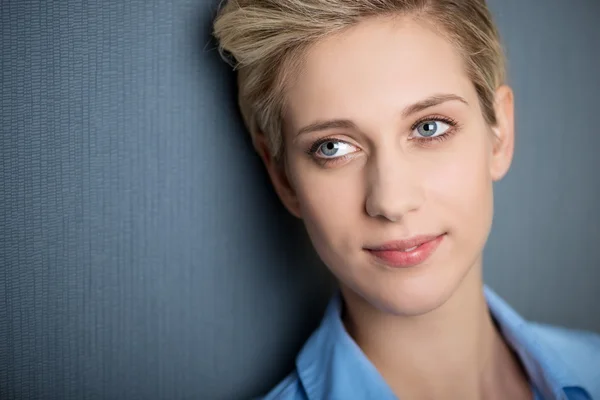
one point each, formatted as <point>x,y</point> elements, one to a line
<point>143,254</point>
<point>543,253</point>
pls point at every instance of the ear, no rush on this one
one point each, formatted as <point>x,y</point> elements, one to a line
<point>504,133</point>
<point>277,173</point>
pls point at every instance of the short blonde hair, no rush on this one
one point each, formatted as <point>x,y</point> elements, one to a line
<point>265,41</point>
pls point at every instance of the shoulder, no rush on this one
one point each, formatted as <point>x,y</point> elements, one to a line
<point>288,389</point>
<point>578,350</point>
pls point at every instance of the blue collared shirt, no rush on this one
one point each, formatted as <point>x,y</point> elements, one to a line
<point>561,363</point>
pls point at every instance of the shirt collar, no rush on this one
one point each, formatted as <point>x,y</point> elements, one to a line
<point>545,368</point>
<point>331,365</point>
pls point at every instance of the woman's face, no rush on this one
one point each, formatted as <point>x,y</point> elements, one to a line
<point>385,141</point>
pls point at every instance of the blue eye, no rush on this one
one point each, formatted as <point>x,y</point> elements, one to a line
<point>427,129</point>
<point>334,149</point>
<point>329,148</point>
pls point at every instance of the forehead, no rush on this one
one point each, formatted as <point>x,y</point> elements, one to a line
<point>375,68</point>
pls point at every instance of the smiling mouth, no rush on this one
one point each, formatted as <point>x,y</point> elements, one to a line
<point>406,253</point>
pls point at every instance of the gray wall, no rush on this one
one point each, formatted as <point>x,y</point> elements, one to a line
<point>544,254</point>
<point>143,254</point>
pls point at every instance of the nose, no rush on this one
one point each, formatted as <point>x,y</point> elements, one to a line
<point>394,188</point>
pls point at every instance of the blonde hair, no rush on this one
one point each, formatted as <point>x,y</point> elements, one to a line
<point>265,41</point>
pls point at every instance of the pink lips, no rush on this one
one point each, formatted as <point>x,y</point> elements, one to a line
<point>406,253</point>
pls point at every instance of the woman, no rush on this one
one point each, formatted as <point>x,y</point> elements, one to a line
<point>383,125</point>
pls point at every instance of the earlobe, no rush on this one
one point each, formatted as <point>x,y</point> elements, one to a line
<point>278,176</point>
<point>504,133</point>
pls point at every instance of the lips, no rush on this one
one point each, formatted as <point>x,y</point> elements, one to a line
<point>406,253</point>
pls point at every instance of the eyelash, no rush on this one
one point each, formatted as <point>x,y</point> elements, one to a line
<point>426,142</point>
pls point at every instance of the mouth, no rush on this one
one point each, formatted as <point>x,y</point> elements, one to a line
<point>408,252</point>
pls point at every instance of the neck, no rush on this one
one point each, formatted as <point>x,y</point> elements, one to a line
<point>453,351</point>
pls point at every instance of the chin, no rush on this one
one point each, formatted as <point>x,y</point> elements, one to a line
<point>410,298</point>
<point>410,292</point>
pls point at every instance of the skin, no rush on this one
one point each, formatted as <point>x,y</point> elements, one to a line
<point>427,329</point>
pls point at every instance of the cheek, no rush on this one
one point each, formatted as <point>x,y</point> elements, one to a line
<point>461,186</point>
<point>330,202</point>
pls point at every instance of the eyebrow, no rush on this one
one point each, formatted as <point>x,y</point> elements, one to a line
<point>406,112</point>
